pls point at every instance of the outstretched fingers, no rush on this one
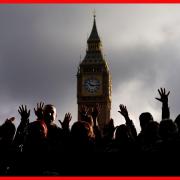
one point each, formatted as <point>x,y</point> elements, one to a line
<point>123,110</point>
<point>163,95</point>
<point>68,116</point>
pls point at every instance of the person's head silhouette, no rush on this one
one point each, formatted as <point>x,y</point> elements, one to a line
<point>49,113</point>
<point>144,119</point>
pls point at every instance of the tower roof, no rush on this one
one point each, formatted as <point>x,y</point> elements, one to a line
<point>94,34</point>
<point>94,53</point>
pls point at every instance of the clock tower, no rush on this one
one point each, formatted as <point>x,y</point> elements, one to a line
<point>94,80</point>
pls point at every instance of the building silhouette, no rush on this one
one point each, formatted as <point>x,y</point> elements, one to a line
<point>94,83</point>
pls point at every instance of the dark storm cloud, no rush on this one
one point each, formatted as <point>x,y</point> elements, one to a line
<point>32,67</point>
<point>40,48</point>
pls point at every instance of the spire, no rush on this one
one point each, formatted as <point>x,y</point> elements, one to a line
<point>94,34</point>
<point>94,50</point>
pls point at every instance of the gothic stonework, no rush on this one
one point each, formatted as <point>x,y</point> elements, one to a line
<point>93,79</point>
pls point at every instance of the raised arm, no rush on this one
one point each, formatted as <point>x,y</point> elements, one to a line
<point>95,113</point>
<point>38,111</point>
<point>66,121</point>
<point>24,113</point>
<point>83,112</point>
<point>124,112</point>
<point>21,130</point>
<point>164,100</point>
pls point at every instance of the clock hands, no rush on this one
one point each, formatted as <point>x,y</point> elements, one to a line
<point>91,84</point>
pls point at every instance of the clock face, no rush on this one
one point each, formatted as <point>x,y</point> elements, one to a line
<point>92,85</point>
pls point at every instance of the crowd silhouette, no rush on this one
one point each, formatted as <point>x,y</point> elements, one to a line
<point>42,147</point>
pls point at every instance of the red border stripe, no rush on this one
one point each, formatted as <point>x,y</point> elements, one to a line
<point>90,178</point>
<point>85,1</point>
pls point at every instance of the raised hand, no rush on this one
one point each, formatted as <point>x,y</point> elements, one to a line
<point>164,99</point>
<point>123,110</point>
<point>96,111</point>
<point>129,123</point>
<point>39,110</point>
<point>67,119</point>
<point>24,113</point>
<point>84,112</point>
<point>163,95</point>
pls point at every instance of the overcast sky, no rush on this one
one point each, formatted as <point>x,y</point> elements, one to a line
<point>41,45</point>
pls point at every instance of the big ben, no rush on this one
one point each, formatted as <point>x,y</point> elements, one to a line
<point>94,84</point>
